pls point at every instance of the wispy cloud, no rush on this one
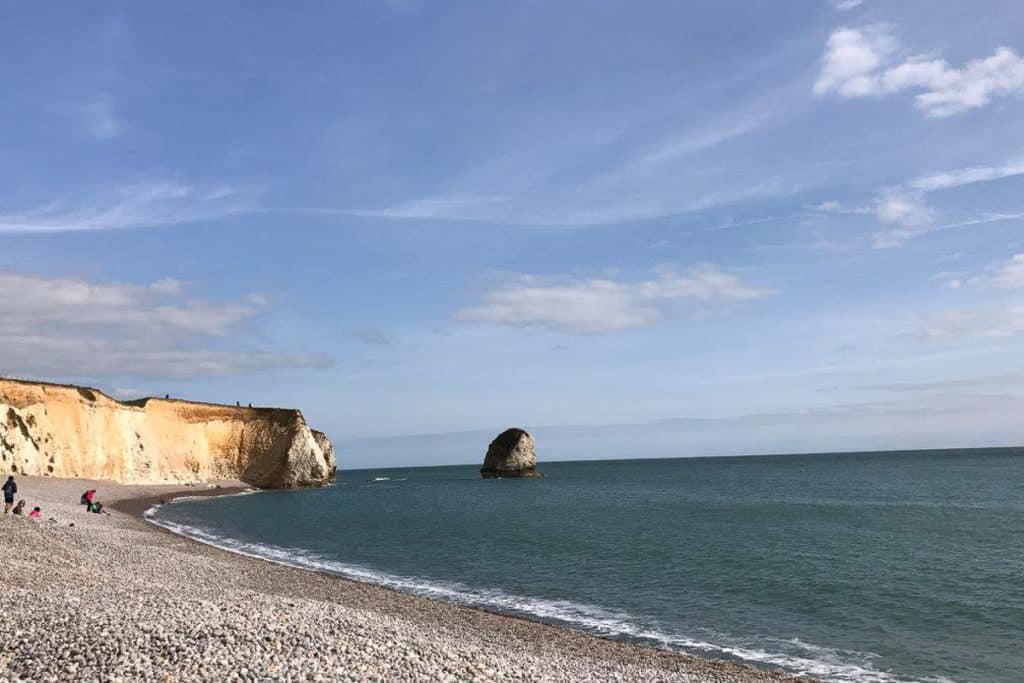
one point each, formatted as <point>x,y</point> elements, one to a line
<point>863,63</point>
<point>967,176</point>
<point>634,176</point>
<point>135,206</point>
<point>371,337</point>
<point>74,327</point>
<point>987,382</point>
<point>100,119</point>
<point>847,5</point>
<point>961,324</point>
<point>456,208</point>
<point>606,305</point>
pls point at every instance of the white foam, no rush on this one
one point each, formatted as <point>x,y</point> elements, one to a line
<point>151,511</point>
<point>243,492</point>
<point>802,658</point>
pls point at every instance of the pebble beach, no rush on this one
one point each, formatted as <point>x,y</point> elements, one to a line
<point>88,597</point>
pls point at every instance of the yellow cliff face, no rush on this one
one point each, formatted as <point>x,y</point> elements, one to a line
<point>66,431</point>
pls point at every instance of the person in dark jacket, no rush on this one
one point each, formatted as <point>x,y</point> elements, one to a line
<point>10,488</point>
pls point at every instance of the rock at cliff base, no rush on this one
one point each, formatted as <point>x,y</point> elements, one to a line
<point>511,454</point>
<point>328,450</point>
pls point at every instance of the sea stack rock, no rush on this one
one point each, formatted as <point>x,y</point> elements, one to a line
<point>510,455</point>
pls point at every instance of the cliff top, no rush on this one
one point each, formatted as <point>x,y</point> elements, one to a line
<point>95,395</point>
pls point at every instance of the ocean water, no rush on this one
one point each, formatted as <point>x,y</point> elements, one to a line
<point>903,566</point>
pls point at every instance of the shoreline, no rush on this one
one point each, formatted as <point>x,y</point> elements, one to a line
<point>440,639</point>
<point>136,506</point>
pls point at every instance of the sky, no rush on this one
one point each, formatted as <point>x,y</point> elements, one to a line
<point>635,228</point>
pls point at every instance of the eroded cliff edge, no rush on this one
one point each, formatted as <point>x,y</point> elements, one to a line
<point>68,431</point>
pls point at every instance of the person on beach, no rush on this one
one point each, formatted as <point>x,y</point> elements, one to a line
<point>36,513</point>
<point>87,497</point>
<point>19,509</point>
<point>10,488</point>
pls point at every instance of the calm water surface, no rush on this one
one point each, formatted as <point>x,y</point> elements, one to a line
<point>867,567</point>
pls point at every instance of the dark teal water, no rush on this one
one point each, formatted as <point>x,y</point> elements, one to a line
<point>867,567</point>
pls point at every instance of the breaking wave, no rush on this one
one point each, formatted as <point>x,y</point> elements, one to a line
<point>791,655</point>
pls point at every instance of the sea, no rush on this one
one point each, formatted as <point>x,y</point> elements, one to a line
<point>883,566</point>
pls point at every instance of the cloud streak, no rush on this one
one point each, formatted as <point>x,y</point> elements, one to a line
<point>601,305</point>
<point>136,206</point>
<point>638,176</point>
<point>967,176</point>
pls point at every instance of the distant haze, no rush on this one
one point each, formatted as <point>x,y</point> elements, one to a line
<point>857,429</point>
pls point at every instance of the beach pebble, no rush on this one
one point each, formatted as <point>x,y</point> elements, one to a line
<point>117,599</point>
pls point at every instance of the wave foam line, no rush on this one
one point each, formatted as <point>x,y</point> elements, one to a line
<point>810,660</point>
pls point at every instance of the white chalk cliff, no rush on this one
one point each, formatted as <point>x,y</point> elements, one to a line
<point>68,431</point>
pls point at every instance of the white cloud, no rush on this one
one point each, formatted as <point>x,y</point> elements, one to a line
<point>861,63</point>
<point>852,61</point>
<point>605,305</point>
<point>949,91</point>
<point>134,206</point>
<point>1010,275</point>
<point>847,5</point>
<point>967,176</point>
<point>907,212</point>
<point>73,328</point>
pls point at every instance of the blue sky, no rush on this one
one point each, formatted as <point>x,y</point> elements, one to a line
<point>707,227</point>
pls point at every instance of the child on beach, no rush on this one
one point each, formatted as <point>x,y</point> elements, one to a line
<point>19,509</point>
<point>10,488</point>
<point>36,513</point>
